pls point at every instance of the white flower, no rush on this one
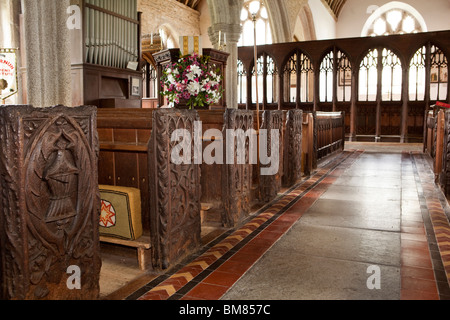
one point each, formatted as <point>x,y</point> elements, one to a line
<point>171,78</point>
<point>191,76</point>
<point>196,70</point>
<point>193,88</point>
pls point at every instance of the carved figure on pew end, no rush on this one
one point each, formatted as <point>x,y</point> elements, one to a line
<point>49,203</point>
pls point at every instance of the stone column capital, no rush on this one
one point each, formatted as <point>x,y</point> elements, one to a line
<point>232,31</point>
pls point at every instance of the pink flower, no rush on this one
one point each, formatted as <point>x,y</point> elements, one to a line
<point>186,95</point>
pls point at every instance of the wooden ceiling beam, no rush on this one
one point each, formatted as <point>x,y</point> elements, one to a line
<point>335,6</point>
<point>190,3</point>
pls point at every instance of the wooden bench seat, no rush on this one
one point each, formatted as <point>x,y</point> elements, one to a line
<point>142,245</point>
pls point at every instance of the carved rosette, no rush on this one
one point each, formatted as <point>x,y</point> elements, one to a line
<point>175,190</point>
<point>236,186</point>
<point>293,147</point>
<point>270,185</point>
<point>50,202</point>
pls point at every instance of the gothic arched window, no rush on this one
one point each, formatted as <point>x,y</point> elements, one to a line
<point>267,70</point>
<point>391,87</point>
<point>344,77</point>
<point>335,62</point>
<point>368,76</point>
<point>438,74</point>
<point>167,38</point>
<point>264,32</point>
<point>242,82</point>
<point>417,75</point>
<point>394,18</point>
<point>298,77</point>
<point>391,76</point>
<point>326,78</point>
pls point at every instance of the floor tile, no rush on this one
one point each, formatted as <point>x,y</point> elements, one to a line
<point>347,218</point>
<point>418,273</point>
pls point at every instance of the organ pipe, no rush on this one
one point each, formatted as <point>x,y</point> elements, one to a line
<point>111,32</point>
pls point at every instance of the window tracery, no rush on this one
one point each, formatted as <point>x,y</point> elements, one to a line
<point>394,18</point>
<point>264,34</point>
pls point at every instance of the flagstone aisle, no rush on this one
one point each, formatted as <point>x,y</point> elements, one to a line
<point>367,225</point>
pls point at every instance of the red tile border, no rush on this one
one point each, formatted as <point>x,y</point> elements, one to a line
<point>238,263</point>
<point>206,291</point>
<point>417,273</point>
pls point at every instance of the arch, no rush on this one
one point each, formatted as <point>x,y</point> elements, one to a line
<point>267,69</point>
<point>264,25</point>
<point>169,38</point>
<point>438,74</point>
<point>241,83</point>
<point>392,75</point>
<point>368,80</point>
<point>417,74</point>
<point>278,17</point>
<point>389,7</point>
<point>298,74</point>
<point>304,24</point>
<point>389,82</point>
<point>326,76</point>
<point>335,76</point>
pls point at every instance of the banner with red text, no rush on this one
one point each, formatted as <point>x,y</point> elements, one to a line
<point>8,73</point>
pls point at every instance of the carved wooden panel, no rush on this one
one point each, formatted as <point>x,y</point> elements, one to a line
<point>416,119</point>
<point>330,133</point>
<point>49,207</point>
<point>237,178</point>
<point>293,147</point>
<point>366,119</point>
<point>175,189</point>
<point>270,185</point>
<point>363,121</point>
<point>445,174</point>
<point>391,119</point>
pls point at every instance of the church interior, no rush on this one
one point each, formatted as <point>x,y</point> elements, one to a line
<point>224,150</point>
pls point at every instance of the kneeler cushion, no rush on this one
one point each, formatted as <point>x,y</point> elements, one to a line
<point>121,212</point>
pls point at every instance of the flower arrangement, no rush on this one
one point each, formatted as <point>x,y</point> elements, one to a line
<point>191,80</point>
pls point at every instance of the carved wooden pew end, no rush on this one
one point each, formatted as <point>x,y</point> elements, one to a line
<point>49,213</point>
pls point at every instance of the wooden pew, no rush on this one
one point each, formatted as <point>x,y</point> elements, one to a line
<point>135,151</point>
<point>292,149</point>
<point>329,129</point>
<point>174,188</point>
<point>226,187</point>
<point>124,136</point>
<point>289,125</point>
<point>309,157</point>
<point>270,185</point>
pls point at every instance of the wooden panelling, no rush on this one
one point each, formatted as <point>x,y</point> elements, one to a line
<point>365,120</point>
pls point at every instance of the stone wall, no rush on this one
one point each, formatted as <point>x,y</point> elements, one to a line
<point>180,19</point>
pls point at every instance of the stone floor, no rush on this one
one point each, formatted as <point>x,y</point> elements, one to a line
<point>370,224</point>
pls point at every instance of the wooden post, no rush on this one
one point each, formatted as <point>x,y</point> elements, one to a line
<point>440,131</point>
<point>379,95</point>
